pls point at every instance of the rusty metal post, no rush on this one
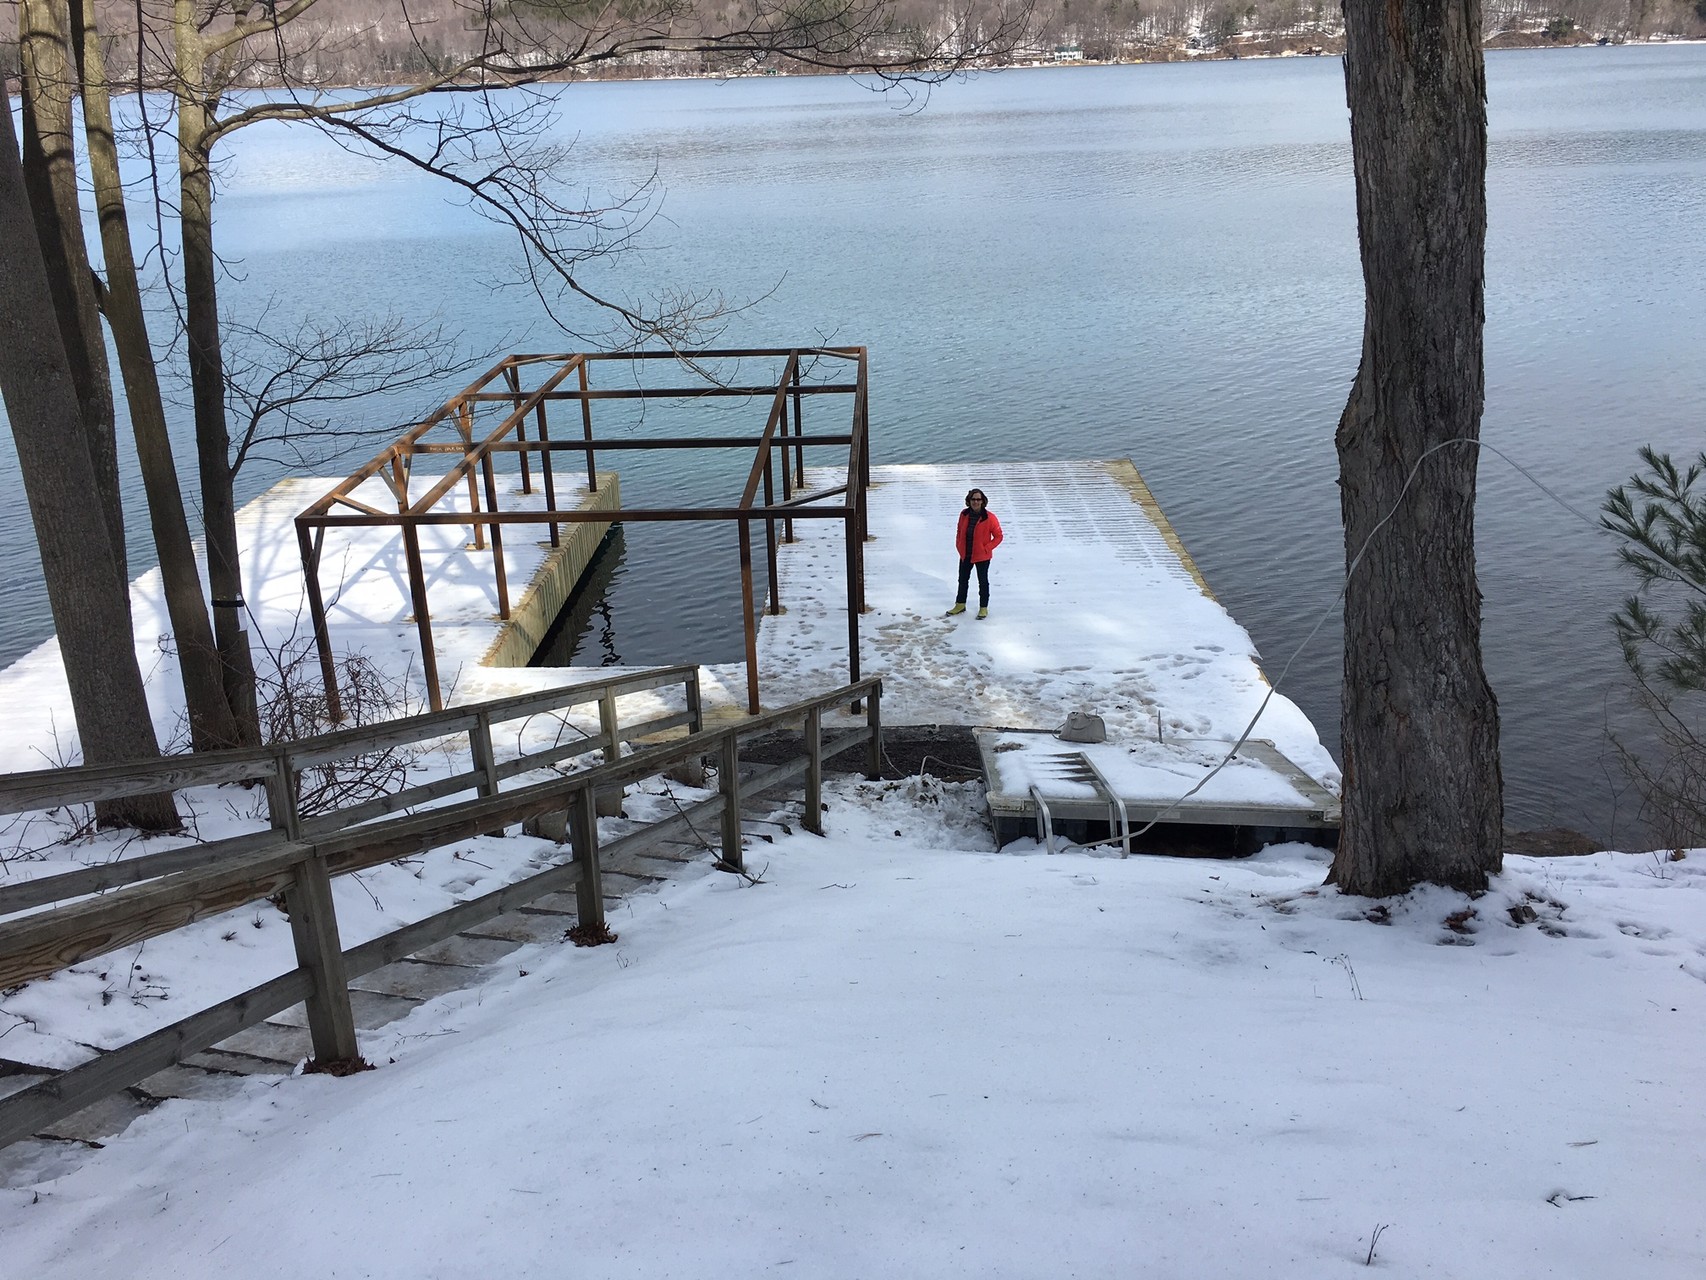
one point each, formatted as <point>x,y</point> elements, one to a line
<point>749,621</point>
<point>787,478</point>
<point>310,548</point>
<point>513,376</point>
<point>799,432</point>
<point>465,427</point>
<point>586,428</point>
<point>848,536</point>
<point>423,618</point>
<point>545,468</point>
<point>770,537</point>
<point>497,537</point>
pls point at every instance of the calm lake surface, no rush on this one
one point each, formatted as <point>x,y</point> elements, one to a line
<point>1157,262</point>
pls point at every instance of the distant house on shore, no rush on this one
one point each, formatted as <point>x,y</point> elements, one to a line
<point>1068,53</point>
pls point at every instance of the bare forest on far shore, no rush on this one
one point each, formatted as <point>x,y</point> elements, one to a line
<point>349,42</point>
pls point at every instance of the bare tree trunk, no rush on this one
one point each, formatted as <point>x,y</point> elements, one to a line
<point>212,724</point>
<point>1423,793</point>
<point>207,373</point>
<point>85,587</point>
<point>50,175</point>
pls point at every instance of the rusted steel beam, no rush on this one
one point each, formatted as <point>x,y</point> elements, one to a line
<point>586,431</point>
<point>709,353</point>
<point>423,618</point>
<point>437,518</point>
<point>311,545</point>
<point>428,500</point>
<point>631,443</point>
<point>748,618</point>
<point>770,536</point>
<point>498,566</point>
<point>545,467</point>
<point>750,392</point>
<point>513,376</point>
<point>778,406</point>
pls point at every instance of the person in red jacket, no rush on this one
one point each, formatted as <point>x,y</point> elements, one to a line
<point>976,538</point>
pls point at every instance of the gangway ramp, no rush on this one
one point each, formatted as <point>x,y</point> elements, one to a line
<point>1039,784</point>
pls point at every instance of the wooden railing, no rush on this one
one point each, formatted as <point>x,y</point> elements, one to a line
<point>280,767</point>
<point>299,862</point>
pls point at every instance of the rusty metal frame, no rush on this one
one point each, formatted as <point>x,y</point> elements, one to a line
<point>569,378</point>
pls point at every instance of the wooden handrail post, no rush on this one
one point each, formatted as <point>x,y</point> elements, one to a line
<point>282,812</point>
<point>695,703</point>
<point>314,928</point>
<point>874,721</point>
<point>583,838</point>
<point>728,783</point>
<point>480,747</point>
<point>813,815</point>
<point>607,725</point>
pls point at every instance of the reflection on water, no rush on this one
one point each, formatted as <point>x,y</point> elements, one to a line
<point>657,594</point>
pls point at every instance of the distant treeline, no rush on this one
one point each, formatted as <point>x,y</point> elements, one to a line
<point>384,41</point>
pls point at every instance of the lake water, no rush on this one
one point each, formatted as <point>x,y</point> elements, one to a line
<point>1156,262</point>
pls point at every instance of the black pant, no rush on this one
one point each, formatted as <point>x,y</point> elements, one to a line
<point>982,567</point>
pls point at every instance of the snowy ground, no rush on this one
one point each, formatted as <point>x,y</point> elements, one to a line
<point>905,1054</point>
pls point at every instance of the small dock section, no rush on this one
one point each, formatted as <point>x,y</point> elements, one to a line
<point>1095,605</point>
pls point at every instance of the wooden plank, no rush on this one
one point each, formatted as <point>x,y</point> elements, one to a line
<point>49,941</point>
<point>85,784</point>
<point>33,1109</point>
<point>112,875</point>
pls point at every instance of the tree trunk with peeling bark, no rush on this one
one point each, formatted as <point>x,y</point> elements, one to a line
<point>1420,727</point>
<point>86,587</point>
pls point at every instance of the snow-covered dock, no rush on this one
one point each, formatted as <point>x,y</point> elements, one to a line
<point>1095,605</point>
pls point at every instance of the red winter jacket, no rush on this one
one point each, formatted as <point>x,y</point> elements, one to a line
<point>984,541</point>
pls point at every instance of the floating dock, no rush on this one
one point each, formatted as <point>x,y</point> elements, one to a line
<point>1095,606</point>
